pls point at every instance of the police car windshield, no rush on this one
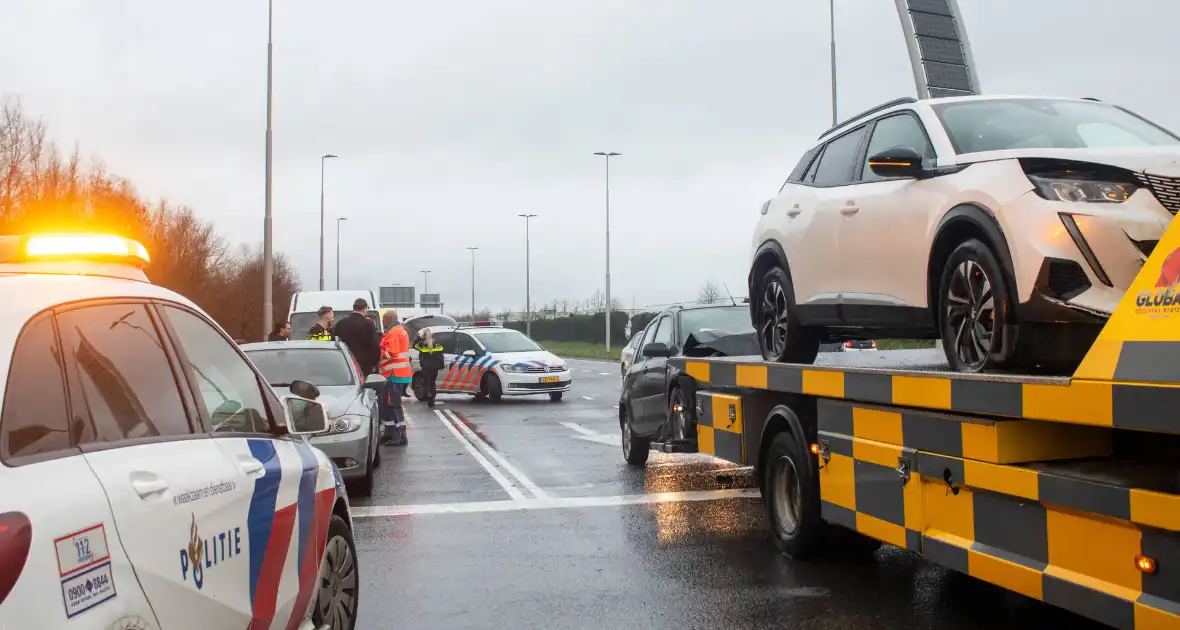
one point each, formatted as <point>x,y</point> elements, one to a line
<point>507,341</point>
<point>320,367</point>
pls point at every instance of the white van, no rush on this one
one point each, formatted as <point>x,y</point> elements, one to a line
<point>305,304</point>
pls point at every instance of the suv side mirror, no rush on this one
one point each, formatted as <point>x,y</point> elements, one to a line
<point>374,381</point>
<point>303,389</point>
<point>305,417</point>
<point>656,349</point>
<point>897,162</point>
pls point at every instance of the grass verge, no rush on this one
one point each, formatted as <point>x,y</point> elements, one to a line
<point>581,350</point>
<point>904,344</point>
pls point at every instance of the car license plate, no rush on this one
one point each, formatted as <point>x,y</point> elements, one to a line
<point>549,379</point>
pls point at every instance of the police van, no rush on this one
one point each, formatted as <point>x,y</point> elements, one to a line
<point>150,477</point>
<point>489,361</point>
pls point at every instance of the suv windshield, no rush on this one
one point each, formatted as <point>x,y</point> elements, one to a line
<point>721,320</point>
<point>507,341</point>
<point>1000,124</point>
<point>320,367</point>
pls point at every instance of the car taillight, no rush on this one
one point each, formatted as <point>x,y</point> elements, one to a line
<point>847,344</point>
<point>874,345</point>
<point>16,535</point>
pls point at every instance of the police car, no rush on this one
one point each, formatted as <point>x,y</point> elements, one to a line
<point>489,361</point>
<point>150,477</point>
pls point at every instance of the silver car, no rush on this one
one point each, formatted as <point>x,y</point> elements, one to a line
<point>627,356</point>
<point>351,440</point>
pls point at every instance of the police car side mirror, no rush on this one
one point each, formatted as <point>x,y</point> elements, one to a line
<point>305,417</point>
<point>469,353</point>
<point>303,389</point>
<point>374,381</point>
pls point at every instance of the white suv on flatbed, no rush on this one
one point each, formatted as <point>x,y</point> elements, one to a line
<point>1009,227</point>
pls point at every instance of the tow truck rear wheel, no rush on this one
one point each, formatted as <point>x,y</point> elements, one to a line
<point>790,489</point>
<point>781,337</point>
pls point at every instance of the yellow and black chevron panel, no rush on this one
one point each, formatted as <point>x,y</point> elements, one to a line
<point>994,440</point>
<point>1075,401</point>
<point>719,426</point>
<point>870,487</point>
<point>1066,541</point>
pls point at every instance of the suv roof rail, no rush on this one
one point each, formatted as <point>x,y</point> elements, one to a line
<point>905,100</point>
<point>1091,98</point>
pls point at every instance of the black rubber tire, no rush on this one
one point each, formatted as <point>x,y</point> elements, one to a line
<point>377,451</point>
<point>555,396</point>
<point>418,386</point>
<point>338,529</point>
<point>805,539</point>
<point>635,448</point>
<point>493,388</point>
<point>975,252</point>
<point>801,344</point>
<point>674,397</point>
<point>364,485</point>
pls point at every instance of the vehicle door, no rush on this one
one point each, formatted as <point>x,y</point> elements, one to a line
<point>633,376</point>
<point>48,489</point>
<point>832,180</point>
<point>282,493</point>
<point>446,376</point>
<point>651,414</point>
<point>177,500</point>
<point>883,255</point>
<point>470,359</point>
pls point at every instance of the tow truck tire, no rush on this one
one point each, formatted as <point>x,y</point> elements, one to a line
<point>776,320</point>
<point>338,574</point>
<point>790,489</point>
<point>635,448</point>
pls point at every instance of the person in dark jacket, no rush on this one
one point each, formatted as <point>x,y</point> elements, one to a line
<point>322,329</point>
<point>282,332</point>
<point>360,335</point>
<point>430,360</point>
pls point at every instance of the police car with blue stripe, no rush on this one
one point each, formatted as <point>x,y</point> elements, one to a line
<point>151,478</point>
<point>489,361</point>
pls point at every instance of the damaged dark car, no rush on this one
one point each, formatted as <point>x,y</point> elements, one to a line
<point>656,403</point>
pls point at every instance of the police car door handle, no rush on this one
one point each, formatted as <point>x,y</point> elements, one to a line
<point>149,487</point>
<point>252,466</point>
<point>849,209</point>
<point>794,211</point>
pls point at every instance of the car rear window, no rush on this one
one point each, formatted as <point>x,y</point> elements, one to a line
<point>320,367</point>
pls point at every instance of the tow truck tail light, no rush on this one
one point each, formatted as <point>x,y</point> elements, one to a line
<point>16,536</point>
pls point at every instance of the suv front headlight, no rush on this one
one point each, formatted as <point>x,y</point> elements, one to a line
<point>1081,190</point>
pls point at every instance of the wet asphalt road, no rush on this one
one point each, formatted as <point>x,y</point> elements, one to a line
<point>523,514</point>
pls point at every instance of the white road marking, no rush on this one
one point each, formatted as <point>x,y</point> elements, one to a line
<point>552,503</point>
<point>487,448</point>
<point>587,398</point>
<point>605,374</point>
<point>609,439</point>
<point>483,461</point>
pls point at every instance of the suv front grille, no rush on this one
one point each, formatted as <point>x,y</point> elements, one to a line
<point>1165,189</point>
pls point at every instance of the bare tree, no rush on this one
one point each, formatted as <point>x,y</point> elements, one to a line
<point>710,293</point>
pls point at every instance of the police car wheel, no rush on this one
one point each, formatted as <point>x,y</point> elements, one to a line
<point>555,396</point>
<point>493,388</point>
<point>337,587</point>
<point>418,386</point>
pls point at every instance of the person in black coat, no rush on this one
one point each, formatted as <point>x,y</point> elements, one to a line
<point>282,332</point>
<point>360,335</point>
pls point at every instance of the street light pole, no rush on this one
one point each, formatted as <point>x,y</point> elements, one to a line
<point>323,158</point>
<point>608,156</point>
<point>832,27</point>
<point>472,250</point>
<point>267,245</point>
<point>338,220</point>
<point>528,298</point>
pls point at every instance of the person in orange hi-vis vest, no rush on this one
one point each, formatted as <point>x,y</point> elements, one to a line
<point>395,367</point>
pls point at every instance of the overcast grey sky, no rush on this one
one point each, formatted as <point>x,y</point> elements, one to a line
<point>453,117</point>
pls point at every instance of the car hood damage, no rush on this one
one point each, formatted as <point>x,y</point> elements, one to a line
<point>708,343</point>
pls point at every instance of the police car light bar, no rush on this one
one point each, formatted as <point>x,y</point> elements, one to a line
<point>88,247</point>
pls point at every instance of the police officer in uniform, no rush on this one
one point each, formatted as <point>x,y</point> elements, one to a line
<point>322,330</point>
<point>430,359</point>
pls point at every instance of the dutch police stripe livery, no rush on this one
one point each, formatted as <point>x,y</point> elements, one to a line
<point>286,527</point>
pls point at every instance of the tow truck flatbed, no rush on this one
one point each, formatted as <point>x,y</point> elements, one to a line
<point>1065,489</point>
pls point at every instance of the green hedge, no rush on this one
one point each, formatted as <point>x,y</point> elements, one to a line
<point>585,328</point>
